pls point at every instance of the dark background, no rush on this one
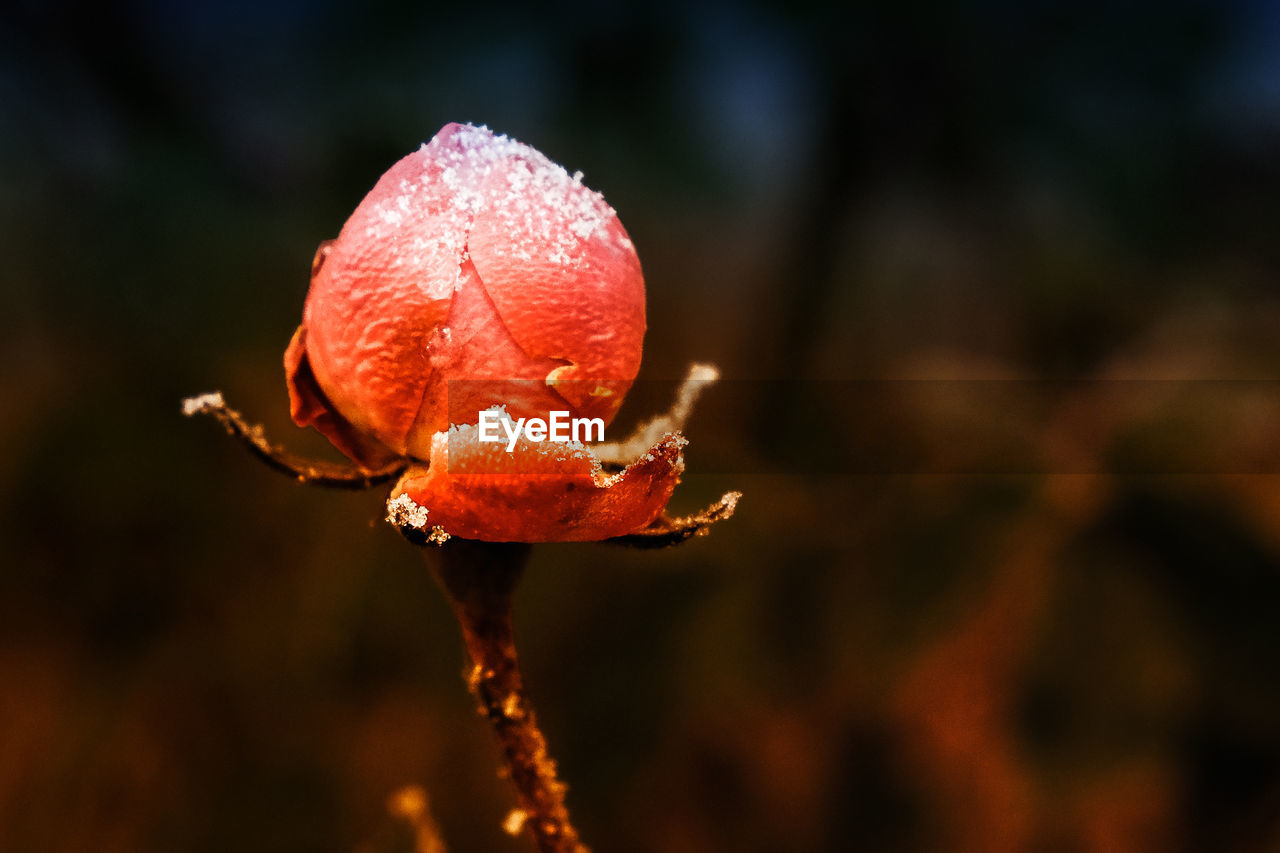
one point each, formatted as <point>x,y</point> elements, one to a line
<point>198,655</point>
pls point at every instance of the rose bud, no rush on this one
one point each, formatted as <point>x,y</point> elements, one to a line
<point>479,274</point>
<point>473,258</point>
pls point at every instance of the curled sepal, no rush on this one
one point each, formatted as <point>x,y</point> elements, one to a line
<point>308,471</point>
<point>537,492</point>
<point>665,531</point>
<point>698,379</point>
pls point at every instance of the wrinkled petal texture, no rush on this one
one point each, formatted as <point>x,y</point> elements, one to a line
<point>475,257</point>
<point>540,492</point>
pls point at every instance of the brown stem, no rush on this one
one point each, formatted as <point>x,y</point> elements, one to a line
<point>479,579</point>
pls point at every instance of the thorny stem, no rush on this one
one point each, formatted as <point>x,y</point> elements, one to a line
<point>479,579</point>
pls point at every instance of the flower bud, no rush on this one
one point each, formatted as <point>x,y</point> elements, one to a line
<point>473,258</point>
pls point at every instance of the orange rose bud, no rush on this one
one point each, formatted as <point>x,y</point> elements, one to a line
<point>477,273</point>
<point>473,258</point>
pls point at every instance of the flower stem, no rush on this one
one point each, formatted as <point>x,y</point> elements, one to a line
<point>479,579</point>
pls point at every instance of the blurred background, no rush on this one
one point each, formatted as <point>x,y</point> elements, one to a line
<point>862,215</point>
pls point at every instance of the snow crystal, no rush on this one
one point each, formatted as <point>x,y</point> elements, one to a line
<point>202,403</point>
<point>403,511</point>
<point>546,210</point>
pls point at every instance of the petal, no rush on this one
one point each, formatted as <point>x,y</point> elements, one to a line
<point>474,364</point>
<point>541,492</point>
<point>308,407</point>
<point>564,276</point>
<point>386,286</point>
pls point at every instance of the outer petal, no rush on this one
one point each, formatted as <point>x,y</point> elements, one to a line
<point>543,492</point>
<point>308,407</point>
<point>386,285</point>
<point>564,276</point>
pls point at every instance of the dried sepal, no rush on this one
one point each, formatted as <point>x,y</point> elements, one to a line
<point>539,492</point>
<point>544,492</point>
<point>699,377</point>
<point>665,531</point>
<point>308,471</point>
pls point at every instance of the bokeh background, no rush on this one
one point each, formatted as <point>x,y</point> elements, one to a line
<point>942,653</point>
